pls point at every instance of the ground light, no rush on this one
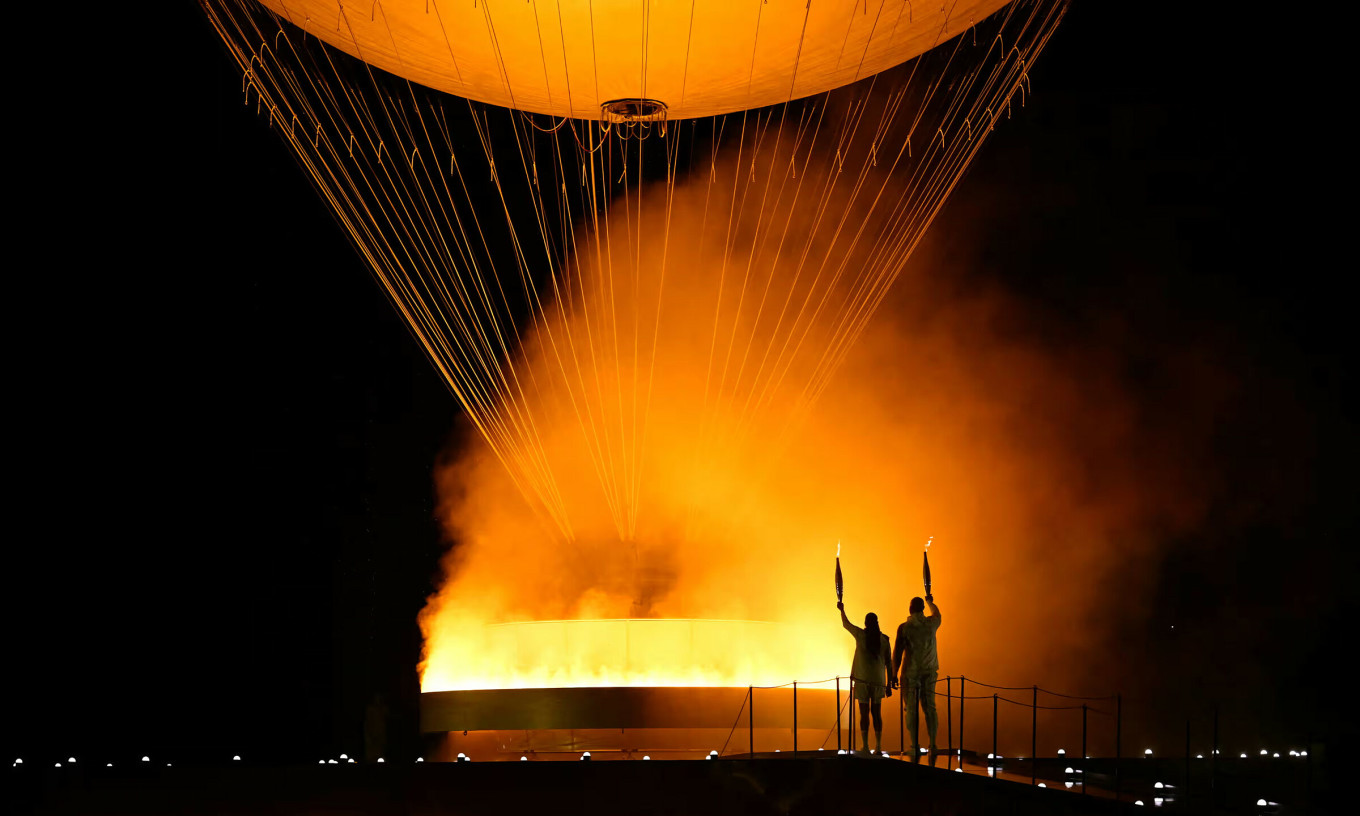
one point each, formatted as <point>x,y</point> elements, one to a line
<point>146,759</point>
<point>236,758</point>
<point>1147,753</point>
<point>646,757</point>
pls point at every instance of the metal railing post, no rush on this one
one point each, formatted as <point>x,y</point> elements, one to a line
<point>992,763</point>
<point>1083,748</point>
<point>751,720</point>
<point>850,705</point>
<point>917,712</point>
<point>963,698</point>
<point>795,718</point>
<point>1118,737</point>
<point>901,722</point>
<point>838,711</point>
<point>949,721</point>
<point>1034,739</point>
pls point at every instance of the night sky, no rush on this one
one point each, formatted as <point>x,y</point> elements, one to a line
<point>222,435</point>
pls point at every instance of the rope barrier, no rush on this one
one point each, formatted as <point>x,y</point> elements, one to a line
<point>832,729</point>
<point>734,724</point>
<point>1076,696</point>
<point>1025,688</point>
<point>948,696</point>
<point>998,688</point>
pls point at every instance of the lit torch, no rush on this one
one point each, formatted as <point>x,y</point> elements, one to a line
<point>840,583</point>
<point>925,571</point>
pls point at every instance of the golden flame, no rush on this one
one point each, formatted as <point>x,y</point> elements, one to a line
<point>635,652</point>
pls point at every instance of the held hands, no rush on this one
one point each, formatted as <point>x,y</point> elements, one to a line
<point>930,598</point>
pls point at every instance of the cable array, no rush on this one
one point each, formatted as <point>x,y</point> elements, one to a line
<point>534,258</point>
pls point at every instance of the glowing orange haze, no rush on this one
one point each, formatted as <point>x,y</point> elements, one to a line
<point>1023,464</point>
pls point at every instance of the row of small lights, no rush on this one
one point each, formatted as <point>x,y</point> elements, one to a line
<point>586,756</point>
<point>235,758</point>
<point>1264,752</point>
<point>72,761</point>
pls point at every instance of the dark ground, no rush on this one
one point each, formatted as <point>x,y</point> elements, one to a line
<point>834,785</point>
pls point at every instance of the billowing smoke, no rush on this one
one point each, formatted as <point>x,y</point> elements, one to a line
<point>753,455</point>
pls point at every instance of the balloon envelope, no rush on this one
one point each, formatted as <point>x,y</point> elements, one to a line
<point>700,58</point>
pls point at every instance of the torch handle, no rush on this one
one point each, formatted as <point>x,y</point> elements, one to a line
<point>925,572</point>
<point>840,584</point>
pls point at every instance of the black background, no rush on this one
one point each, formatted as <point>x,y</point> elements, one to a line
<point>221,515</point>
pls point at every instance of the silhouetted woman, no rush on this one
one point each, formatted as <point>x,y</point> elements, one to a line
<point>873,654</point>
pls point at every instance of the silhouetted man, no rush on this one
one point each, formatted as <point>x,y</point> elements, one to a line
<point>914,653</point>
